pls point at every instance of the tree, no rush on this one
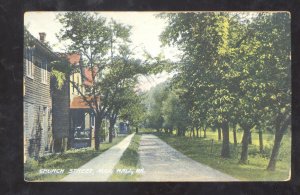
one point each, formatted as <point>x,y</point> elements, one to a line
<point>154,101</point>
<point>175,113</point>
<point>134,111</point>
<point>127,106</point>
<point>275,36</point>
<point>224,59</point>
<point>264,93</point>
<point>100,44</point>
<point>203,38</point>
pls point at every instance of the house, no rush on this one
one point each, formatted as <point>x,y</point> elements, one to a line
<point>82,118</point>
<point>46,106</point>
<point>123,128</point>
<point>37,97</point>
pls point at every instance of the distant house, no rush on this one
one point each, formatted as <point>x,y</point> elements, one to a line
<point>123,127</point>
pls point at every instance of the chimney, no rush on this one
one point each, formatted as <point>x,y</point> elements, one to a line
<point>42,37</point>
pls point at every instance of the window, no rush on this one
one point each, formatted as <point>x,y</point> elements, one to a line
<point>28,62</point>
<point>44,71</point>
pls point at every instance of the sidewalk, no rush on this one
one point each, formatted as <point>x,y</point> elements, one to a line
<point>100,167</point>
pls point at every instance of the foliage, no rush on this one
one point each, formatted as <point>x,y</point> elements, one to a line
<point>106,53</point>
<point>154,101</point>
<point>174,113</point>
<point>235,68</point>
<point>59,76</point>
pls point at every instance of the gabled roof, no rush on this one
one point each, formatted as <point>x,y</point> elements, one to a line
<point>73,58</point>
<point>43,47</point>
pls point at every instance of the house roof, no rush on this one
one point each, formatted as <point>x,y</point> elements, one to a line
<point>43,47</point>
<point>78,103</point>
<point>74,58</point>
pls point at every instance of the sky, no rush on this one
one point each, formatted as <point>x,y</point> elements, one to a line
<point>146,29</point>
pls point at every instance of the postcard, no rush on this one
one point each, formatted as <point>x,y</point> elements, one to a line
<point>157,96</point>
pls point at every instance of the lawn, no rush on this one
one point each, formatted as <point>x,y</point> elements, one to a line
<point>70,159</point>
<point>202,150</point>
<point>128,161</point>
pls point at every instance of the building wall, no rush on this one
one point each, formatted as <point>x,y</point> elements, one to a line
<point>36,98</point>
<point>60,111</point>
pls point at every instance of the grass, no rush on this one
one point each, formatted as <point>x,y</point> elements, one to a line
<point>70,159</point>
<point>199,149</point>
<point>147,130</point>
<point>128,161</point>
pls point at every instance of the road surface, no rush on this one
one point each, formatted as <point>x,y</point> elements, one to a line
<point>161,162</point>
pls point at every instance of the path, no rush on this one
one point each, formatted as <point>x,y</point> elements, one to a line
<point>161,162</point>
<point>100,167</point>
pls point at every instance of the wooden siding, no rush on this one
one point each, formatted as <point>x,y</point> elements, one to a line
<point>37,94</point>
<point>60,110</point>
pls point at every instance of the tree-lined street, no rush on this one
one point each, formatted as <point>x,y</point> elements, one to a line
<point>224,104</point>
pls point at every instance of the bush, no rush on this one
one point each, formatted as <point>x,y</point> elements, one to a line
<point>31,165</point>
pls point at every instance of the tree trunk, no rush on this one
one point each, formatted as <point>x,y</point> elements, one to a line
<point>245,144</point>
<point>197,129</point>
<point>193,129</point>
<point>275,151</point>
<point>136,130</point>
<point>200,132</point>
<point>71,136</point>
<point>111,128</point>
<point>250,138</point>
<point>280,129</point>
<point>96,136</point>
<point>219,134</point>
<point>205,131</point>
<point>180,132</point>
<point>225,153</point>
<point>234,135</point>
<point>261,144</point>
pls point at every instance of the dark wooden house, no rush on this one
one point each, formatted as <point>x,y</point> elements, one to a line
<point>45,109</point>
<point>37,97</point>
